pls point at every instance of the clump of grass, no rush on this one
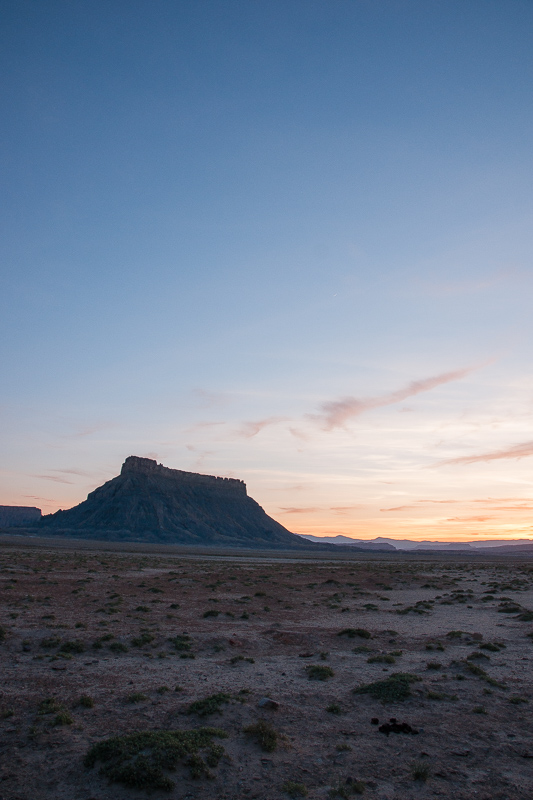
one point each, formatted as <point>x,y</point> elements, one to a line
<point>144,609</point>
<point>264,734</point>
<point>50,642</point>
<point>294,789</point>
<point>362,649</point>
<point>475,669</point>
<point>162,690</point>
<point>209,705</point>
<point>181,642</point>
<point>334,708</point>
<point>144,638</point>
<point>319,672</point>
<point>479,710</point>
<point>351,633</point>
<point>63,718</point>
<point>212,612</point>
<point>85,701</point>
<point>118,647</point>
<point>346,790</point>
<point>454,634</point>
<point>73,646</point>
<point>3,634</point>
<point>492,648</point>
<point>236,659</point>
<point>382,658</point>
<point>136,697</point>
<point>420,771</point>
<point>49,706</point>
<point>139,760</point>
<point>393,689</point>
<point>433,665</point>
<point>517,700</point>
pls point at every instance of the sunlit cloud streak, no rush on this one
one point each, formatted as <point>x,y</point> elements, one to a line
<point>336,413</point>
<point>517,451</point>
<point>250,429</point>
<point>396,508</point>
<point>298,510</point>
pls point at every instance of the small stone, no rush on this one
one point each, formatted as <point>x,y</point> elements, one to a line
<point>267,702</point>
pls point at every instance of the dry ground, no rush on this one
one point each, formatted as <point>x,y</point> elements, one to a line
<point>100,625</point>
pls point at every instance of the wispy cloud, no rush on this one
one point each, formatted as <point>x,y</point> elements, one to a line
<point>517,451</point>
<point>250,429</point>
<point>298,510</point>
<point>51,478</point>
<point>396,508</point>
<point>335,413</point>
<point>469,519</point>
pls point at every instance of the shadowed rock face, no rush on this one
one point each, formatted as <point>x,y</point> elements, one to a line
<point>151,503</point>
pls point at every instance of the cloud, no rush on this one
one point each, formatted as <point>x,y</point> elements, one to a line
<point>251,429</point>
<point>51,478</point>
<point>516,451</point>
<point>298,510</point>
<point>336,413</point>
<point>469,519</point>
<point>396,508</point>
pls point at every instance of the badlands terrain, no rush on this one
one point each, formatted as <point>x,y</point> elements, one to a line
<point>130,674</point>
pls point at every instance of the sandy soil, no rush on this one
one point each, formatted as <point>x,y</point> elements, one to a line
<point>254,626</point>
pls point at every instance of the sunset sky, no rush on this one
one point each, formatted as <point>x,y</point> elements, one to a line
<point>288,241</point>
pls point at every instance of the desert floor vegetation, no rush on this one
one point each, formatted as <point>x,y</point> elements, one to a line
<point>137,675</point>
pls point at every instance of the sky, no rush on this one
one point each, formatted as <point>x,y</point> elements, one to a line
<point>288,241</point>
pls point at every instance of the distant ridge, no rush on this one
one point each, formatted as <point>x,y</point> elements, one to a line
<point>148,502</point>
<point>410,545</point>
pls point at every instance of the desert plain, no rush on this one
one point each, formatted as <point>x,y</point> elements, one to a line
<point>288,670</point>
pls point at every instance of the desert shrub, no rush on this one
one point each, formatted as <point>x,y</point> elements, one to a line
<point>49,706</point>
<point>264,734</point>
<point>209,705</point>
<point>351,633</point>
<point>50,642</point>
<point>162,690</point>
<point>144,609</point>
<point>294,789</point>
<point>63,718</point>
<point>517,700</point>
<point>319,672</point>
<point>144,638</point>
<point>73,646</point>
<point>454,634</point>
<point>118,647</point>
<point>3,633</point>
<point>136,697</point>
<point>212,612</point>
<point>139,760</point>
<point>85,701</point>
<point>334,708</point>
<point>479,710</point>
<point>382,658</point>
<point>433,665</point>
<point>181,642</point>
<point>390,690</point>
<point>475,669</point>
<point>492,648</point>
<point>420,771</point>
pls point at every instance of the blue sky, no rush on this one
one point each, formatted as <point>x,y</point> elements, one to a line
<point>221,219</point>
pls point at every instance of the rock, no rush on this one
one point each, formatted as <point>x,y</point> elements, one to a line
<point>267,702</point>
<point>148,502</point>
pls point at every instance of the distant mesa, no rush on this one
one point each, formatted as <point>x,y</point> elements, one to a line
<point>148,502</point>
<point>19,516</point>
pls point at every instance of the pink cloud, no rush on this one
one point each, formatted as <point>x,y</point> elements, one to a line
<point>298,510</point>
<point>336,413</point>
<point>251,429</point>
<point>516,451</point>
<point>396,508</point>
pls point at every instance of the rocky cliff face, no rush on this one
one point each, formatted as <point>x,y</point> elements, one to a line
<point>151,503</point>
<point>17,516</point>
